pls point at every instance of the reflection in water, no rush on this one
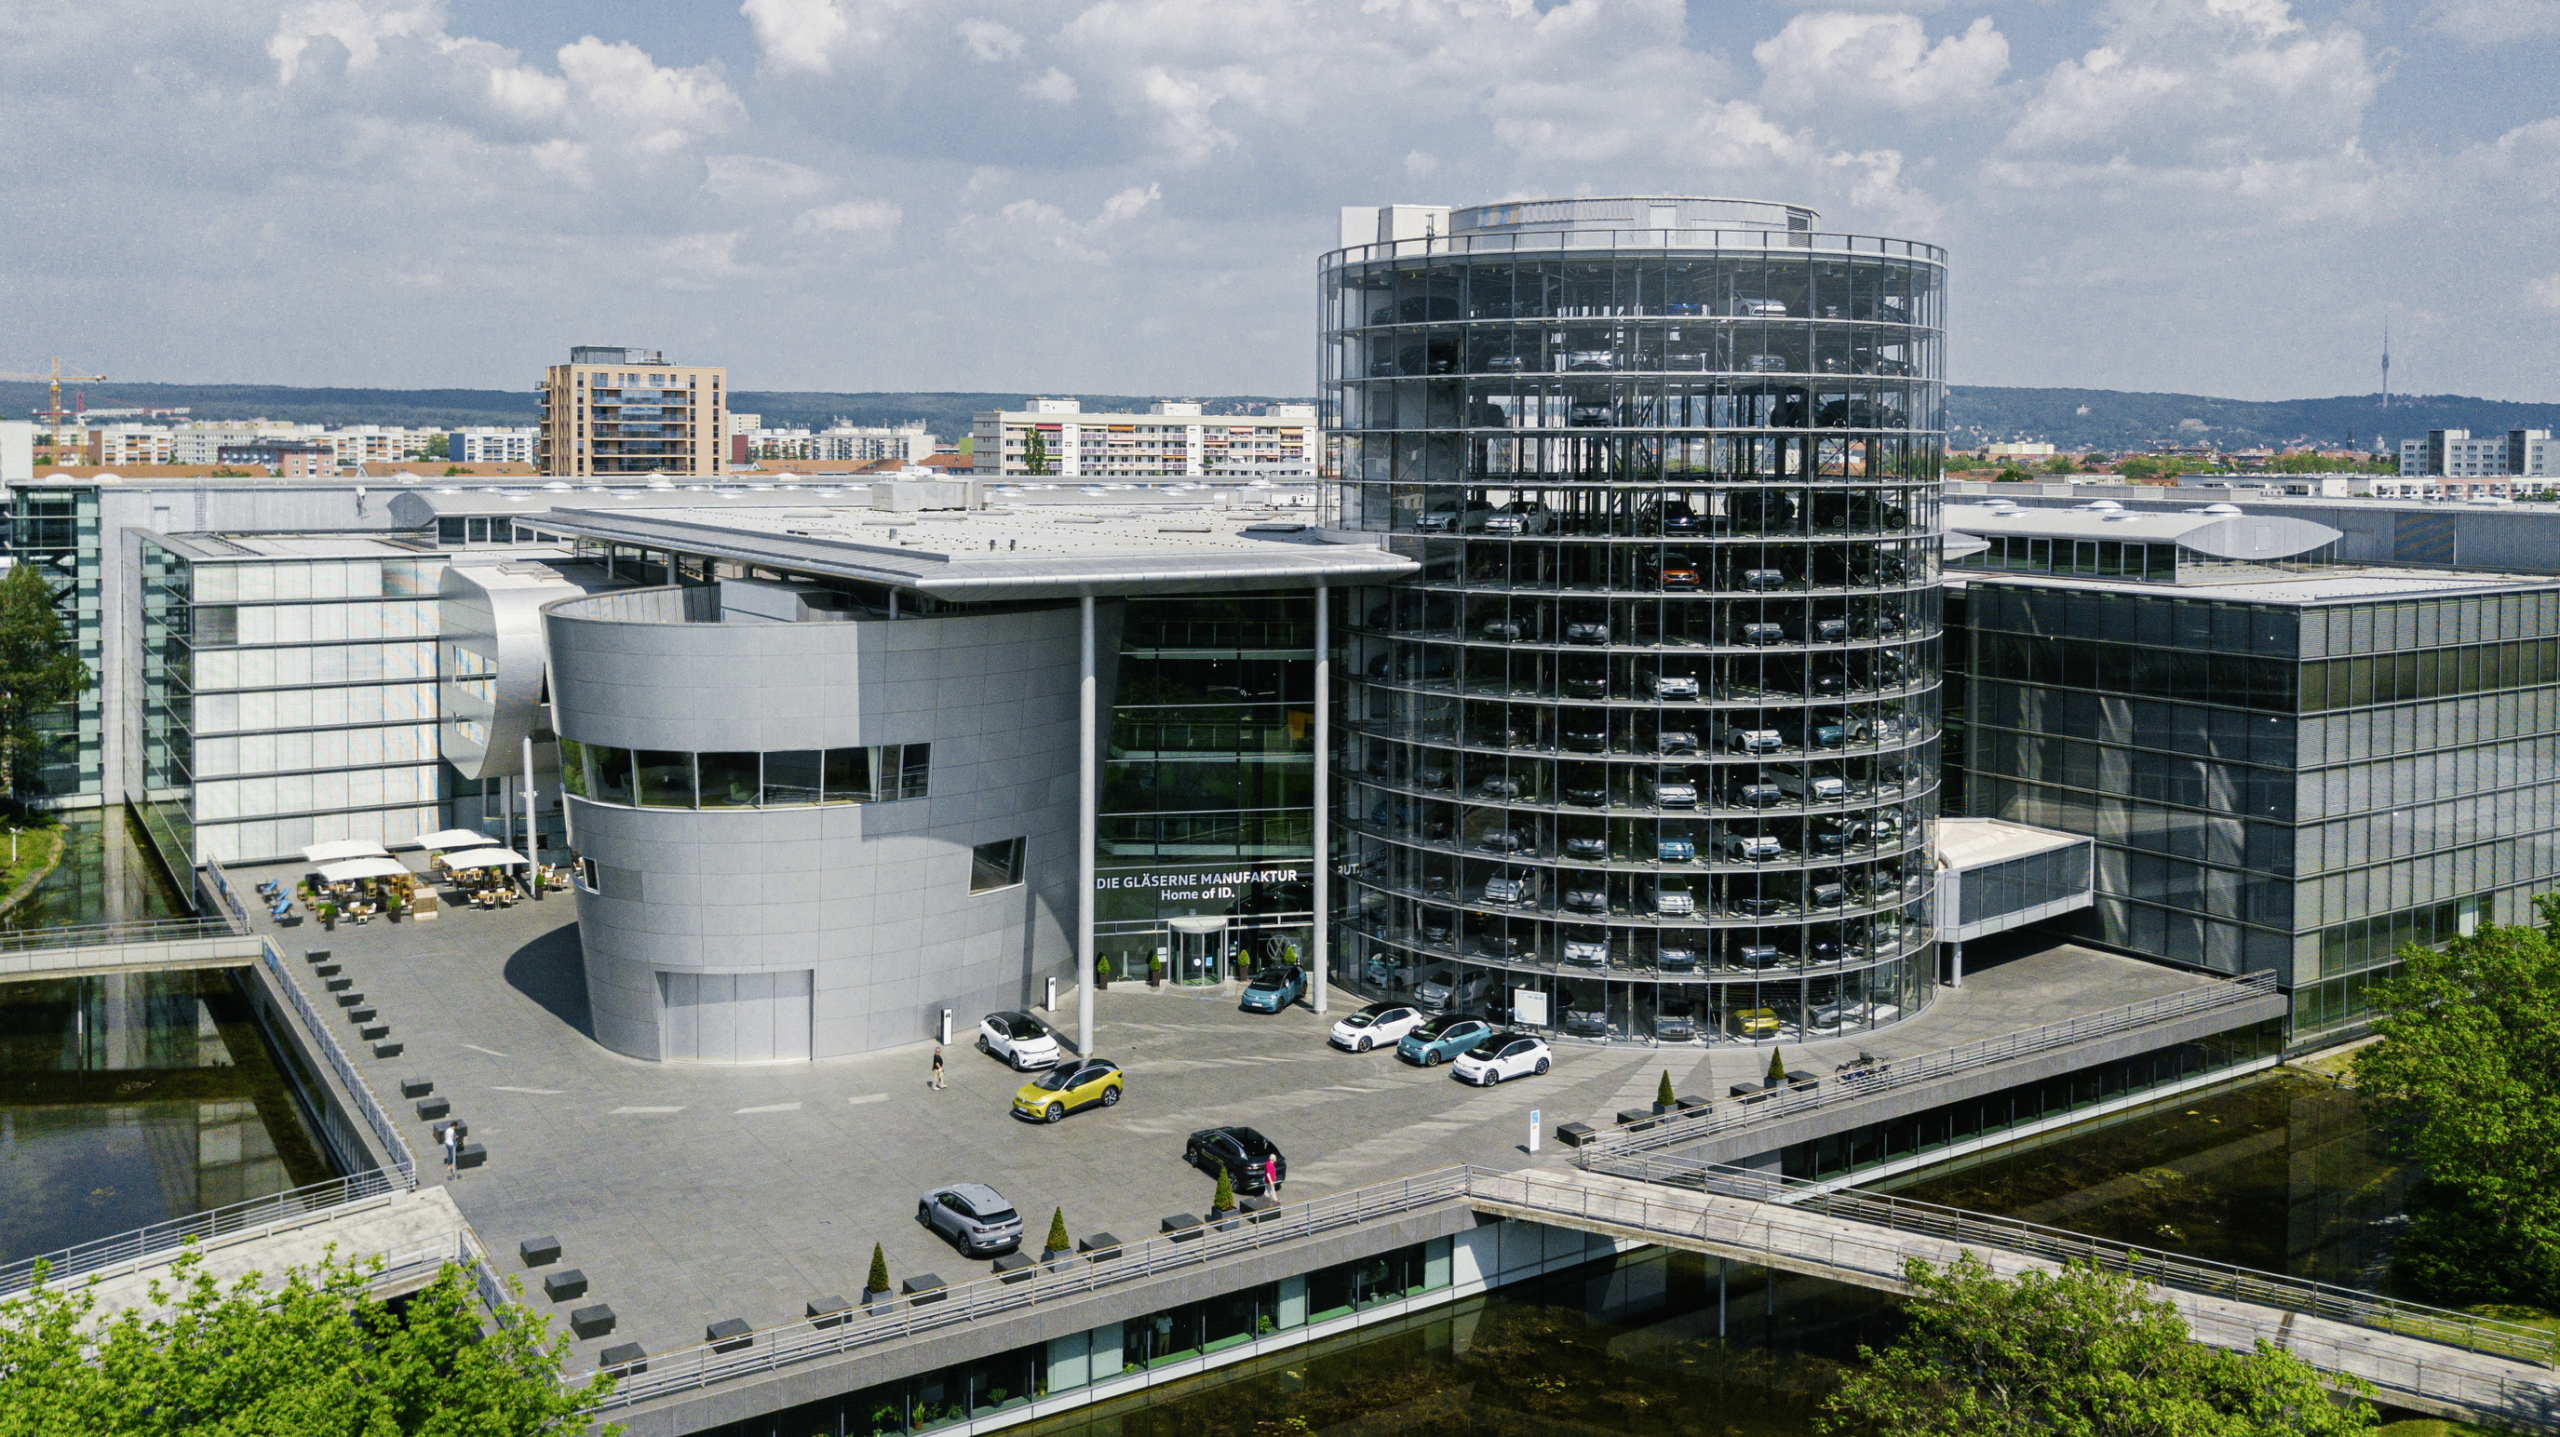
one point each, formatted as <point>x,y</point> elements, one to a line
<point>1628,1346</point>
<point>130,1098</point>
<point>106,876</point>
<point>2279,1173</point>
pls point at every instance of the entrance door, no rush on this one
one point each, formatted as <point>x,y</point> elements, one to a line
<point>734,1017</point>
<point>1200,957</point>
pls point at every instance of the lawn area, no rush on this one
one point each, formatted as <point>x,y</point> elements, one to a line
<point>2432,1427</point>
<point>36,850</point>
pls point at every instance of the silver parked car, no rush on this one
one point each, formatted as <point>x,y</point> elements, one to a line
<point>975,1217</point>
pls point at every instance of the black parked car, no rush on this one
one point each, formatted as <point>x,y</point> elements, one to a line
<point>1238,1152</point>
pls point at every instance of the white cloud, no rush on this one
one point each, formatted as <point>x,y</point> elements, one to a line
<point>990,41</point>
<point>698,261</point>
<point>2544,292</point>
<point>1029,228</point>
<point>756,179</point>
<point>1831,59</point>
<point>1418,164</point>
<point>358,30</point>
<point>816,36</point>
<point>2494,22</point>
<point>1052,87</point>
<point>869,219</point>
<point>620,89</point>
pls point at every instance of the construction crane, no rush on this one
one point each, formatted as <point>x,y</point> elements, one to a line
<point>55,410</point>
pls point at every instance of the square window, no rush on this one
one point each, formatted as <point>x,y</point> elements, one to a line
<point>995,865</point>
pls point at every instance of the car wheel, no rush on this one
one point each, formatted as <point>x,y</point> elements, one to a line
<point>1541,1069</point>
<point>1430,1058</point>
<point>1110,1096</point>
<point>924,1213</point>
<point>1057,1113</point>
<point>1363,1046</point>
<point>982,1044</point>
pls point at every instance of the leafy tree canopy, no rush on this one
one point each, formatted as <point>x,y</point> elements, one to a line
<point>317,1356</point>
<point>2466,1081</point>
<point>2080,1351</point>
<point>39,672</point>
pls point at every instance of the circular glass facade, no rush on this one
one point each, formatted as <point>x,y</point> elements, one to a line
<point>1648,749</point>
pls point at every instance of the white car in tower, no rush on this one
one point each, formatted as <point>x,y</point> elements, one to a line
<point>1380,1025</point>
<point>1018,1038</point>
<point>1503,1056</point>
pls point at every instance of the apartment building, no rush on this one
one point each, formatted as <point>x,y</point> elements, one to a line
<point>2454,453</point>
<point>492,444</point>
<point>628,411</point>
<point>1172,440</point>
<point>130,444</point>
<point>843,443</point>
<point>379,443</point>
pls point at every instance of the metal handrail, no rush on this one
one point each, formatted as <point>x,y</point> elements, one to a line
<point>99,935</point>
<point>368,1106</point>
<point>1925,1067</point>
<point>891,1318</point>
<point>225,896</point>
<point>2180,1271</point>
<point>141,1243</point>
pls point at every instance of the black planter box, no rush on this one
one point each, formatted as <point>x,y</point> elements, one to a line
<point>536,1251</point>
<point>416,1087</point>
<point>337,985</point>
<point>349,1000</point>
<point>1259,1208</point>
<point>593,1321</point>
<point>1693,1103</point>
<point>1099,1247</point>
<point>565,1285</point>
<point>328,970</point>
<point>623,1358</point>
<point>922,1288</point>
<point>1636,1118</point>
<point>389,1050</point>
<point>1182,1226</point>
<point>360,1015</point>
<point>471,1156</point>
<point>373,1031</point>
<point>1015,1267</point>
<point>1574,1135</point>
<point>430,1109</point>
<point>729,1334</point>
<point>316,955</point>
<point>829,1311</point>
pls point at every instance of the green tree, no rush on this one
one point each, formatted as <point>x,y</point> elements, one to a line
<point>2079,1351</point>
<point>1662,1094</point>
<point>438,447</point>
<point>2141,468</point>
<point>1057,1241</point>
<point>1225,1197</point>
<point>317,1356</point>
<point>1035,454</point>
<point>2011,475</point>
<point>878,1281</point>
<point>38,670</point>
<point>2466,1082</point>
<point>2058,465</point>
<point>1777,1066</point>
<point>2095,460</point>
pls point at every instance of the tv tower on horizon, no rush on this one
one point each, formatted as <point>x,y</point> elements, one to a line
<point>2386,361</point>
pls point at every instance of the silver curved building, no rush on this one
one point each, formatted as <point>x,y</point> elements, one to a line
<point>1648,748</point>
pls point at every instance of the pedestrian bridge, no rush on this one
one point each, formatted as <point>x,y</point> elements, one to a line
<point>2445,1363</point>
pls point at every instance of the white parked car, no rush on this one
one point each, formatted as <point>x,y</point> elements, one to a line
<point>1380,1025</point>
<point>1438,986</point>
<point>1019,1039</point>
<point>1502,1056</point>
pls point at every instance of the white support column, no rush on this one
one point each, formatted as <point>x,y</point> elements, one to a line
<point>1087,798</point>
<point>532,826</point>
<point>1323,886</point>
<point>1955,964</point>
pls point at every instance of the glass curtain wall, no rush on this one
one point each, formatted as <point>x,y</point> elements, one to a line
<point>1648,749</point>
<point>55,529</point>
<point>1208,787</point>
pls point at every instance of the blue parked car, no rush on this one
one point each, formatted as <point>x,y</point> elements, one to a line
<point>1442,1038</point>
<point>1273,989</point>
<point>1676,850</point>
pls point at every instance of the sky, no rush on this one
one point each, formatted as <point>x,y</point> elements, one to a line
<point>2225,197</point>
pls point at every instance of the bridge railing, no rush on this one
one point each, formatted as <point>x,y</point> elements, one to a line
<point>899,1316</point>
<point>108,935</point>
<point>1855,1084</point>
<point>2184,1273</point>
<point>144,1242</point>
<point>368,1105</point>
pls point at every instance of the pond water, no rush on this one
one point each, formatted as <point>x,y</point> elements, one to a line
<point>107,875</point>
<point>130,1098</point>
<point>2279,1172</point>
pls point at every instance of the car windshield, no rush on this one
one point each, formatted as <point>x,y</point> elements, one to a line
<point>1253,1143</point>
<point>1268,980</point>
<point>1360,1020</point>
<point>1002,1214</point>
<point>1489,1048</point>
<point>1056,1079</point>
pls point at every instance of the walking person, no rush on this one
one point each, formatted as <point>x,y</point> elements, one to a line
<point>452,1149</point>
<point>936,1084</point>
<point>1271,1176</point>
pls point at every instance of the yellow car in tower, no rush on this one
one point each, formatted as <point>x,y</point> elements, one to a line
<point>1755,1022</point>
<point>1072,1084</point>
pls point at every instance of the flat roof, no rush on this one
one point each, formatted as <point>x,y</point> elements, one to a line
<point>2346,585</point>
<point>1022,550</point>
<point>232,548</point>
<point>1979,842</point>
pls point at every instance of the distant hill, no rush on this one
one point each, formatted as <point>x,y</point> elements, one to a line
<point>2115,421</point>
<point>2079,420</point>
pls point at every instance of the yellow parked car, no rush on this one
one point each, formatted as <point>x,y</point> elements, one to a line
<point>1072,1084</point>
<point>1754,1022</point>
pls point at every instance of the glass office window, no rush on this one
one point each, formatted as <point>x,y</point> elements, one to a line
<point>665,777</point>
<point>793,776</point>
<point>728,780</point>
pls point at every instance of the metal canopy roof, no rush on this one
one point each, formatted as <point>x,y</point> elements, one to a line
<point>1051,551</point>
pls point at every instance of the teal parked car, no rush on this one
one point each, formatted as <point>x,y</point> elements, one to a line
<point>1273,989</point>
<point>1442,1038</point>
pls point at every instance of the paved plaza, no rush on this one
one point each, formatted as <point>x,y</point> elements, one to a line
<point>689,1194</point>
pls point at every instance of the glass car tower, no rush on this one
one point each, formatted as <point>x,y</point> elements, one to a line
<point>1647,750</point>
